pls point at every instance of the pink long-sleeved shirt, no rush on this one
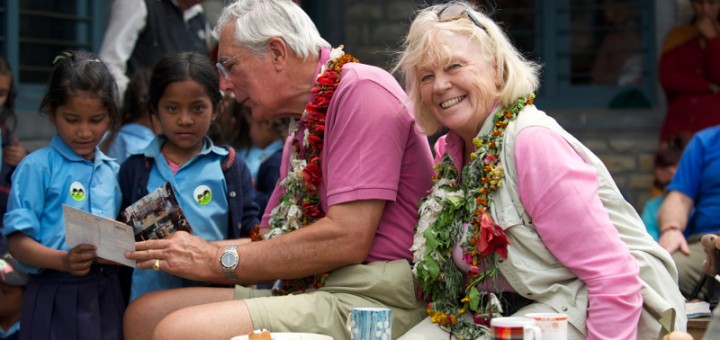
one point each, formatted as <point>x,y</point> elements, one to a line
<point>559,191</point>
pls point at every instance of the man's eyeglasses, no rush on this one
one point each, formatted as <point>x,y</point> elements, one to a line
<point>221,66</point>
<point>456,10</point>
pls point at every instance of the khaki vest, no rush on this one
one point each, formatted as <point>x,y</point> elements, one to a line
<point>536,274</point>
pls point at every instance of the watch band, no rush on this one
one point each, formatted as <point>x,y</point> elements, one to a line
<point>229,261</point>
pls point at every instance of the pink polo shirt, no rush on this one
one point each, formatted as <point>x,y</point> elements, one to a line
<point>372,151</point>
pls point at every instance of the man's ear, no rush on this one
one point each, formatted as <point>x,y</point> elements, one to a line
<point>278,52</point>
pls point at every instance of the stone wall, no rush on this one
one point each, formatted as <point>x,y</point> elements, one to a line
<point>625,140</point>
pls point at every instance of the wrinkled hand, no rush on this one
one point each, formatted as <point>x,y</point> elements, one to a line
<point>14,153</point>
<point>79,259</point>
<point>672,240</point>
<point>180,254</point>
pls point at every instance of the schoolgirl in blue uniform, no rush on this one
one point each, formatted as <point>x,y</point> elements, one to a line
<point>184,96</point>
<point>70,294</point>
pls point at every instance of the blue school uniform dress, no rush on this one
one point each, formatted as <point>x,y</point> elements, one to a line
<point>200,189</point>
<point>59,305</point>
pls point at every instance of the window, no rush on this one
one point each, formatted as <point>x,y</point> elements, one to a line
<point>594,53</point>
<point>33,32</point>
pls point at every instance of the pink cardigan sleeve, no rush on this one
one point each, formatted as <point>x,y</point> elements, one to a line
<point>560,193</point>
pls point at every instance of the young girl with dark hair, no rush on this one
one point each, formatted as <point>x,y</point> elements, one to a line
<point>70,293</point>
<point>12,151</point>
<point>184,97</point>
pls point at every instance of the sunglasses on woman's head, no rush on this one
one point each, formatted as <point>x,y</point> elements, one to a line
<point>457,10</point>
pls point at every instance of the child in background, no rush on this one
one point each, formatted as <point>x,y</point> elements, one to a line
<point>269,137</point>
<point>184,96</point>
<point>12,287</point>
<point>69,294</point>
<point>234,129</point>
<point>665,164</point>
<point>138,127</point>
<point>12,152</point>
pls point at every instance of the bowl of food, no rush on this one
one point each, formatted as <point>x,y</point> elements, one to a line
<point>267,335</point>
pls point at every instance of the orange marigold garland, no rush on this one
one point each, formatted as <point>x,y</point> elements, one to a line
<point>458,212</point>
<point>300,204</point>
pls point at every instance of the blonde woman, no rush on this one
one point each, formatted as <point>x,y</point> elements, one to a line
<point>522,217</point>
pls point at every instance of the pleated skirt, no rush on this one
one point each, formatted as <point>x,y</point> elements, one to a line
<point>58,305</point>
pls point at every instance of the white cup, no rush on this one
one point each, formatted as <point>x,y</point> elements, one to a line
<point>370,323</point>
<point>552,325</point>
<point>514,328</point>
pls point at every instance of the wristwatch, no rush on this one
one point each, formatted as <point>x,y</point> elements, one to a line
<point>229,261</point>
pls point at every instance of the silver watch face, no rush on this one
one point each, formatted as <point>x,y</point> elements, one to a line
<point>229,259</point>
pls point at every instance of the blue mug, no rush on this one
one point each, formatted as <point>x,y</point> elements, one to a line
<point>370,323</point>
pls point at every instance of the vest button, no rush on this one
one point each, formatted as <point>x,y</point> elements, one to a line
<point>232,194</point>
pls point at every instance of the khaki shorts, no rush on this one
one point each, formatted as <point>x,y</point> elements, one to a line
<point>325,310</point>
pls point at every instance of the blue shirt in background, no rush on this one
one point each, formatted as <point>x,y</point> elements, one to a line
<point>131,139</point>
<point>698,177</point>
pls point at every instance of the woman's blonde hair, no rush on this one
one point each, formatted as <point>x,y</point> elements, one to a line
<point>425,46</point>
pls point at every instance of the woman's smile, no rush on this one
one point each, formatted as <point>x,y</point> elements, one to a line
<point>448,103</point>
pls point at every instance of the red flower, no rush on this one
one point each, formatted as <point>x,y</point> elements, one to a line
<point>311,211</point>
<point>316,143</point>
<point>492,237</point>
<point>328,79</point>
<point>312,173</point>
<point>319,102</point>
<point>480,320</point>
<point>327,93</point>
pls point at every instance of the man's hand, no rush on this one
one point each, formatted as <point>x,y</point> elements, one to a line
<point>180,254</point>
<point>672,240</point>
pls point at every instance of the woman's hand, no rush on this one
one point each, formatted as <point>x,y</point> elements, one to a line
<point>79,259</point>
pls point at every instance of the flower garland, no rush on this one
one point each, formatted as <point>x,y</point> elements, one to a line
<point>443,215</point>
<point>300,204</point>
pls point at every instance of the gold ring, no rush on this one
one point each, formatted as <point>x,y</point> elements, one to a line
<point>156,265</point>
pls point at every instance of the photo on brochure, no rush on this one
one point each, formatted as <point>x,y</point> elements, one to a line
<point>156,215</point>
